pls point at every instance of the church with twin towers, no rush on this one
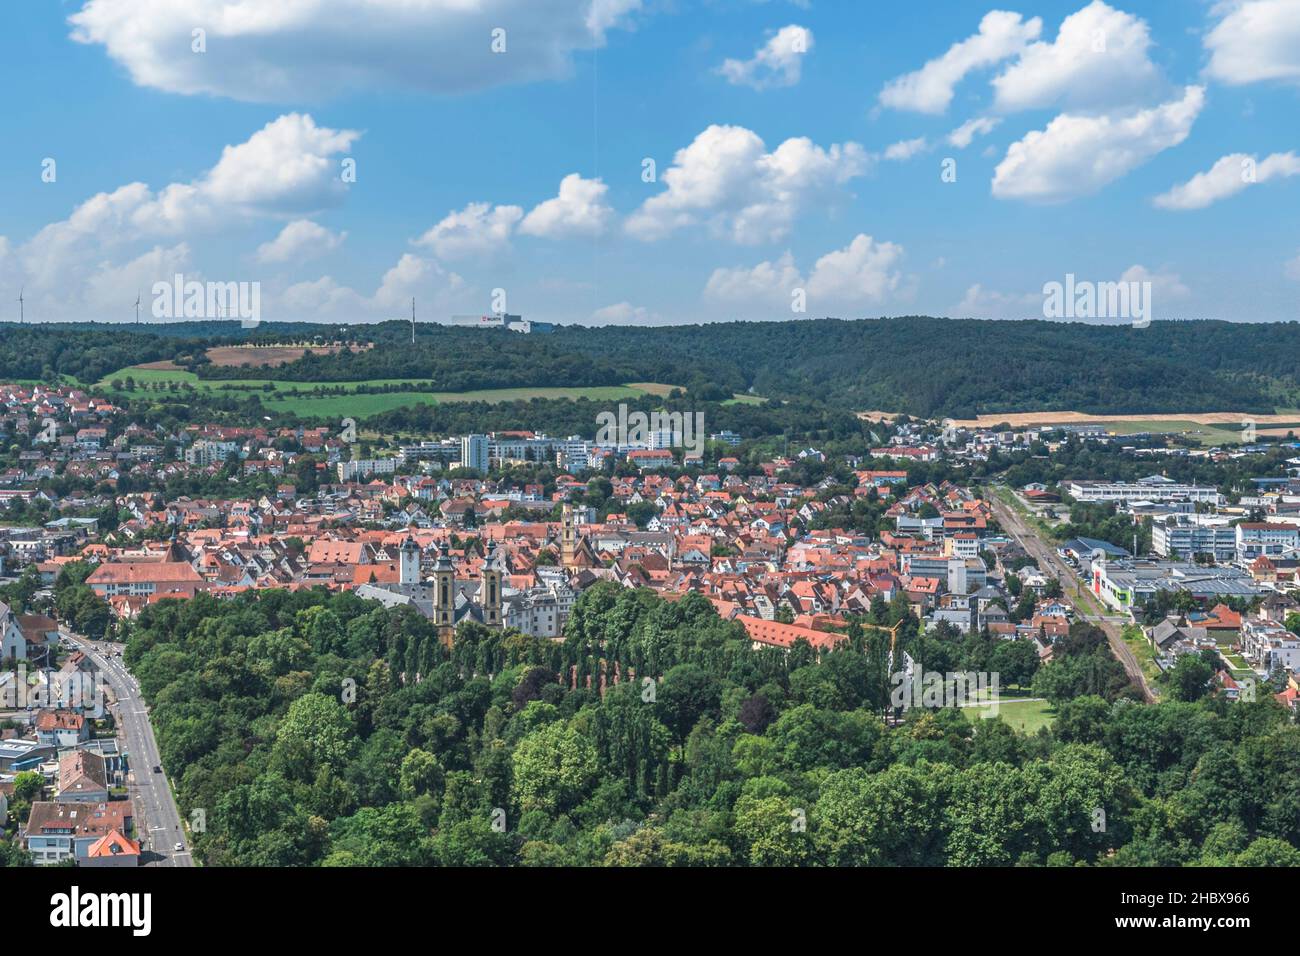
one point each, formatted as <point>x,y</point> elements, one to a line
<point>486,598</point>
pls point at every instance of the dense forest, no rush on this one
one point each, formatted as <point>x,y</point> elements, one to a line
<point>914,364</point>
<point>324,730</point>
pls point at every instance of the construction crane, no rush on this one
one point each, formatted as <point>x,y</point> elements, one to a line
<point>893,635</point>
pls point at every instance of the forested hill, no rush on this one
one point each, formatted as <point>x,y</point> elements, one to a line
<point>915,364</point>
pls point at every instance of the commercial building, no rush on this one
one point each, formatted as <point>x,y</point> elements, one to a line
<point>1125,584</point>
<point>1265,538</point>
<point>1189,535</point>
<point>1151,488</point>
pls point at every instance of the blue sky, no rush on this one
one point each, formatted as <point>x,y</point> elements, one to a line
<point>799,152</point>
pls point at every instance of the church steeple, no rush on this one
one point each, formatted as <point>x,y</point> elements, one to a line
<point>444,599</point>
<point>490,587</point>
<point>568,536</point>
<point>409,562</point>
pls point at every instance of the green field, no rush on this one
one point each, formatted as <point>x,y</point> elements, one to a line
<point>741,399</point>
<point>276,394</point>
<point>1025,716</point>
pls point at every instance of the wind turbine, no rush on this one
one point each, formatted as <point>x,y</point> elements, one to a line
<point>137,308</point>
<point>20,305</point>
<point>412,320</point>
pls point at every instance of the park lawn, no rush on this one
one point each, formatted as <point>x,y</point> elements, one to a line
<point>1024,716</point>
<point>739,399</point>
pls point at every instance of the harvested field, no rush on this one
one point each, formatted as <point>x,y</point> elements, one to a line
<point>1019,419</point>
<point>267,355</point>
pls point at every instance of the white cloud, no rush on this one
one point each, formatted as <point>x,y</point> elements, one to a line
<point>578,210</point>
<point>964,134</point>
<point>1227,177</point>
<point>930,89</point>
<point>1164,285</point>
<point>624,313</point>
<point>478,229</point>
<point>1098,60</point>
<point>863,271</point>
<point>728,181</point>
<point>767,282</point>
<point>1256,40</point>
<point>412,276</point>
<point>906,149</point>
<point>295,50</point>
<point>778,62</point>
<point>982,303</point>
<point>300,240</point>
<point>1078,155</point>
<point>1292,268</point>
<point>290,165</point>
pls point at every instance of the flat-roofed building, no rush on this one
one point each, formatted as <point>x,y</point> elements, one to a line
<point>1151,488</point>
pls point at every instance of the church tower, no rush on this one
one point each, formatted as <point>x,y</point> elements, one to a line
<point>409,564</point>
<point>568,536</point>
<point>444,600</point>
<point>489,593</point>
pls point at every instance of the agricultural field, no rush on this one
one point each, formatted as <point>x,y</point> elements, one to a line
<point>1206,428</point>
<point>296,397</point>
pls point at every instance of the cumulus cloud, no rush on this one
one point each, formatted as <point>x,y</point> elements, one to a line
<point>300,240</point>
<point>982,303</point>
<point>778,62</point>
<point>906,149</point>
<point>579,210</point>
<point>411,276</point>
<point>1164,285</point>
<point>1078,155</point>
<point>288,166</point>
<point>296,50</point>
<point>767,282</point>
<point>964,134</point>
<point>1099,59</point>
<point>624,313</point>
<point>930,89</point>
<point>479,229</point>
<point>1255,41</point>
<point>1227,177</point>
<point>726,179</point>
<point>863,271</point>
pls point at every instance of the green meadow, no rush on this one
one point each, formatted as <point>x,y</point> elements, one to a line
<point>297,398</point>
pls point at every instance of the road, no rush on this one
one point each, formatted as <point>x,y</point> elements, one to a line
<point>1051,563</point>
<point>157,818</point>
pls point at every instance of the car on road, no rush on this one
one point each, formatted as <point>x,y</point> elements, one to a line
<point>157,768</point>
<point>179,847</point>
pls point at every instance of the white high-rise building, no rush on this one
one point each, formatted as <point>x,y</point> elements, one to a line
<point>474,453</point>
